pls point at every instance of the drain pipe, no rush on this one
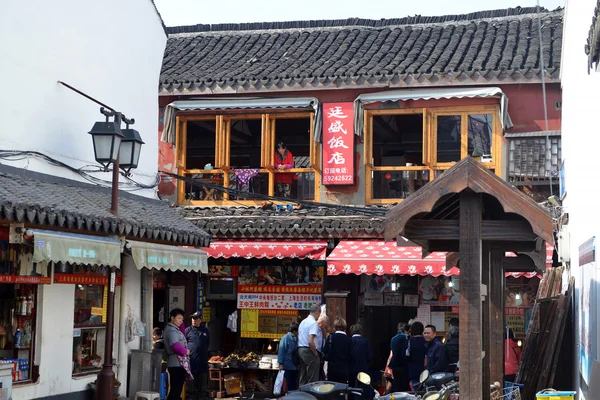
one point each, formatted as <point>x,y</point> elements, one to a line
<point>147,281</point>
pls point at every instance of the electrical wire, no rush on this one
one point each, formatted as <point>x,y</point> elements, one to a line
<point>376,212</point>
<point>543,73</point>
<point>84,171</point>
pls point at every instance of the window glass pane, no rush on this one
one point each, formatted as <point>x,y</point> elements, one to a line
<point>397,140</point>
<point>448,138</point>
<point>88,350</point>
<point>89,302</point>
<point>397,184</point>
<point>200,149</point>
<point>480,135</point>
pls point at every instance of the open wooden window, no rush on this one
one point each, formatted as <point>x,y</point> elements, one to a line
<point>406,148</point>
<point>238,152</point>
<point>396,153</point>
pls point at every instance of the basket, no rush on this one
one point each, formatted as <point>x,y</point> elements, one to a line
<point>511,393</point>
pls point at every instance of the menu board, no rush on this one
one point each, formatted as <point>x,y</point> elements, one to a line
<point>373,298</point>
<point>266,324</point>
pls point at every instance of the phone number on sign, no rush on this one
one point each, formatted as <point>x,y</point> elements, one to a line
<point>338,178</point>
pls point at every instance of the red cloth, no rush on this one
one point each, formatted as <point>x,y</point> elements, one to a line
<point>287,162</point>
<point>512,356</point>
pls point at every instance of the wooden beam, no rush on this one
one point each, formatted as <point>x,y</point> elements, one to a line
<point>471,365</point>
<point>496,316</point>
<point>517,231</point>
<point>485,319</point>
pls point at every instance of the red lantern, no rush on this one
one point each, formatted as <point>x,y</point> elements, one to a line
<point>388,175</point>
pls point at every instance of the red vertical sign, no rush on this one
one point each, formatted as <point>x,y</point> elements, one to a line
<point>338,143</point>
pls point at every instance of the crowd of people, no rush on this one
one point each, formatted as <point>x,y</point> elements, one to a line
<point>311,352</point>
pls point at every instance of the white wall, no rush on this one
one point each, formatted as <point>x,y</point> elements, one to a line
<point>131,298</point>
<point>580,132</point>
<point>111,50</point>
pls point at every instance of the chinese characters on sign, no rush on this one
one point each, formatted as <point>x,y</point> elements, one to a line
<point>278,297</point>
<point>338,143</point>
<point>266,324</point>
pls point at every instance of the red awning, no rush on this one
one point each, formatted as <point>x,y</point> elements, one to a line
<point>379,258</point>
<point>268,248</point>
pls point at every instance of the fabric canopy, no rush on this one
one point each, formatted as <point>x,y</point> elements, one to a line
<point>75,248</point>
<point>377,257</point>
<point>268,248</point>
<point>429,94</point>
<point>242,103</point>
<point>171,258</point>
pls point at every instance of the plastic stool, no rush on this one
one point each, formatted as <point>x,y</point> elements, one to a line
<point>147,396</point>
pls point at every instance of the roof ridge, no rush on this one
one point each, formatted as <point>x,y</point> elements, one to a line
<point>187,30</point>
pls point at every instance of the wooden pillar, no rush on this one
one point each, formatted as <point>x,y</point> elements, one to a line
<point>496,316</point>
<point>485,320</point>
<point>470,246</point>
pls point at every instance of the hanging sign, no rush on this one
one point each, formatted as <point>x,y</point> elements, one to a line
<point>374,299</point>
<point>338,143</point>
<point>266,324</point>
<point>278,297</point>
<point>392,299</point>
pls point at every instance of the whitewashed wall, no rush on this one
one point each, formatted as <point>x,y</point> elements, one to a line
<point>111,49</point>
<point>580,138</point>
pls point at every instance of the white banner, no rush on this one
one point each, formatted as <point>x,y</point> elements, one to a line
<point>277,301</point>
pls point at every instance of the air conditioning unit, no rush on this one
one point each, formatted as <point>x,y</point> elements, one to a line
<point>140,372</point>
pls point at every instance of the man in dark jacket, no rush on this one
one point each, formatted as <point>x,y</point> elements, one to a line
<point>399,364</point>
<point>436,359</point>
<point>360,356</point>
<point>452,346</point>
<point>198,338</point>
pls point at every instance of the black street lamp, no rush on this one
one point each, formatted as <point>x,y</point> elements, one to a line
<point>121,148</point>
<point>131,146</point>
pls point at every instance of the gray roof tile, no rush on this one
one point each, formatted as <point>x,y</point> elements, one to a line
<point>500,44</point>
<point>267,222</point>
<point>83,207</point>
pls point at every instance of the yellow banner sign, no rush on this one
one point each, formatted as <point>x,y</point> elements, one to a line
<point>266,324</point>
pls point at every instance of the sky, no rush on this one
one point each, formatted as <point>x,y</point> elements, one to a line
<point>192,12</point>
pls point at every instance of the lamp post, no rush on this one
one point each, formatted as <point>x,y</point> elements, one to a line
<point>121,148</point>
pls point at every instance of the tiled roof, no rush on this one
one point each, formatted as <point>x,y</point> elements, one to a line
<point>259,222</point>
<point>592,49</point>
<point>480,48</point>
<point>86,208</point>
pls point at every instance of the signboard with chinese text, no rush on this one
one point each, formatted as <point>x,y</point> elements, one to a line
<point>373,299</point>
<point>338,143</point>
<point>515,319</point>
<point>392,299</point>
<point>266,324</point>
<point>278,297</point>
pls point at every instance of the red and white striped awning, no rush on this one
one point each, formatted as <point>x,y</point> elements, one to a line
<point>267,248</point>
<point>377,257</point>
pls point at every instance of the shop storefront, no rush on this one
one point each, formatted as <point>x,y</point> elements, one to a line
<point>253,291</point>
<point>393,284</point>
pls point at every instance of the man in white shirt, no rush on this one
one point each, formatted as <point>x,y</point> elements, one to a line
<point>308,347</point>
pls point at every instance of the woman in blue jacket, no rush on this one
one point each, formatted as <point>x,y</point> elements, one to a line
<point>288,346</point>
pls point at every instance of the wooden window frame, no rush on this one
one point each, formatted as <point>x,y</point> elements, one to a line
<point>223,153</point>
<point>430,142</point>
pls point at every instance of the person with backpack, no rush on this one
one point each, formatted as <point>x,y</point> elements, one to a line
<point>287,357</point>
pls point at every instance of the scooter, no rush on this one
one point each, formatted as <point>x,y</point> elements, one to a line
<point>322,390</point>
<point>366,380</point>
